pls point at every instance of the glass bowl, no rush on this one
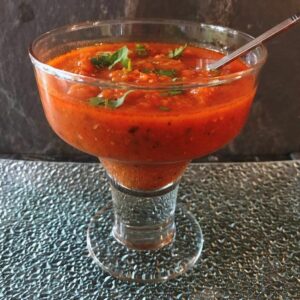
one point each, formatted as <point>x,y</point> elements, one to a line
<point>142,235</point>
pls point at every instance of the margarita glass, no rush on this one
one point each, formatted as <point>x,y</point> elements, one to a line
<point>145,145</point>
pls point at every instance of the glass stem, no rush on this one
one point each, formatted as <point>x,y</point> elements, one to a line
<point>144,220</point>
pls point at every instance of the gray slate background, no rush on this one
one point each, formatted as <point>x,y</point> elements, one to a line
<point>273,130</point>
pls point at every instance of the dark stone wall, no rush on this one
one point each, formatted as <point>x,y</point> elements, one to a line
<point>273,130</point>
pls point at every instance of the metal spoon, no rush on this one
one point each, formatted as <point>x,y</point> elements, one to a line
<point>265,36</point>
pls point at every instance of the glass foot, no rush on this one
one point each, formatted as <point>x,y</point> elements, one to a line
<point>145,266</point>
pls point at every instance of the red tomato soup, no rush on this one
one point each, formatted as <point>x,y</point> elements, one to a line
<point>145,138</point>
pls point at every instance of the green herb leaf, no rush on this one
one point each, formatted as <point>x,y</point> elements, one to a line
<point>121,56</point>
<point>126,64</point>
<point>175,92</point>
<point>141,50</point>
<point>164,108</point>
<point>110,60</point>
<point>118,102</point>
<point>172,93</point>
<point>146,71</point>
<point>112,103</point>
<point>96,101</point>
<point>177,52</point>
<point>170,73</point>
<point>101,61</point>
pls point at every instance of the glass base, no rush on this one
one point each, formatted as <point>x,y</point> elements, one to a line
<point>145,266</point>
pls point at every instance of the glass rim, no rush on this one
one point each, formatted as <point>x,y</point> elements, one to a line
<point>84,79</point>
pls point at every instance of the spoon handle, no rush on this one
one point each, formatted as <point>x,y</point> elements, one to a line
<point>263,37</point>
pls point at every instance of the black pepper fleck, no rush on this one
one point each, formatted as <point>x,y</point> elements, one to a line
<point>133,129</point>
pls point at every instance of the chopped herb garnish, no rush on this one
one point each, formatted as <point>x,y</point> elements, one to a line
<point>172,93</point>
<point>177,52</point>
<point>101,61</point>
<point>129,65</point>
<point>112,103</point>
<point>175,92</point>
<point>110,60</point>
<point>141,50</point>
<point>95,101</point>
<point>146,71</point>
<point>164,108</point>
<point>170,73</point>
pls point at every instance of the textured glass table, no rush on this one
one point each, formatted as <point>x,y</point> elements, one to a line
<point>249,213</point>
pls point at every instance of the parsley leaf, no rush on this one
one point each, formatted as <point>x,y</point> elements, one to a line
<point>162,72</point>
<point>118,102</point>
<point>95,101</point>
<point>146,71</point>
<point>112,103</point>
<point>141,50</point>
<point>121,56</point>
<point>101,61</point>
<point>175,92</point>
<point>177,52</point>
<point>172,93</point>
<point>110,60</point>
<point>170,73</point>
